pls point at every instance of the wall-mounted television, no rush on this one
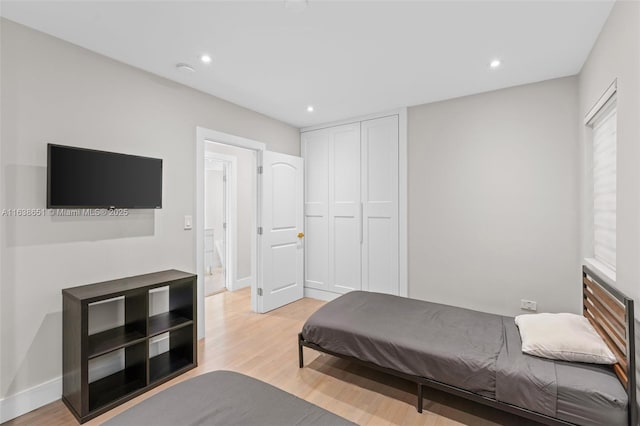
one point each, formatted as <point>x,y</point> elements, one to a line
<point>86,178</point>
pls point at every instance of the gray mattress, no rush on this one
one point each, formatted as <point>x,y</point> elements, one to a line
<point>225,398</point>
<point>471,350</point>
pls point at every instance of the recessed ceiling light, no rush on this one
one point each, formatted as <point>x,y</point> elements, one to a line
<point>495,63</point>
<point>206,59</point>
<point>185,67</point>
<point>310,108</point>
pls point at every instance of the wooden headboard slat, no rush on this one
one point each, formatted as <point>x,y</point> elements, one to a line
<point>616,307</point>
<point>617,335</point>
<point>620,355</point>
<point>622,375</point>
<point>615,322</point>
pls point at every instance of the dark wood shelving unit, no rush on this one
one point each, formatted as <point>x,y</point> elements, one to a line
<point>129,341</point>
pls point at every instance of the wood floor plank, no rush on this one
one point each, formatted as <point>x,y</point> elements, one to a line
<point>265,347</point>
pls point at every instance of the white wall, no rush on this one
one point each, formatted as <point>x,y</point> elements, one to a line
<point>616,55</point>
<point>213,198</point>
<point>493,199</point>
<point>53,91</point>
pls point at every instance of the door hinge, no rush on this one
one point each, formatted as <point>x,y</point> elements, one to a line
<point>224,178</point>
<point>259,291</point>
<point>259,230</point>
<point>224,225</point>
<point>259,170</point>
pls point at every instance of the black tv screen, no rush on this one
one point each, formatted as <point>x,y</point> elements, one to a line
<point>85,178</point>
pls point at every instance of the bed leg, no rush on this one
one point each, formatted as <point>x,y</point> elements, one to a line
<point>419,405</point>
<point>300,355</point>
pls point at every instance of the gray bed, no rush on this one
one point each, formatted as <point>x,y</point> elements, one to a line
<point>225,398</point>
<point>469,353</point>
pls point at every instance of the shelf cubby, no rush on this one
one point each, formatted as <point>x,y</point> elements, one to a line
<point>179,355</point>
<point>107,332</point>
<point>131,378</point>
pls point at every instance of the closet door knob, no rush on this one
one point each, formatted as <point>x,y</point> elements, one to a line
<point>300,234</point>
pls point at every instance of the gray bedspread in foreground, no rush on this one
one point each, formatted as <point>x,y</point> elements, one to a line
<point>471,350</point>
<point>225,398</point>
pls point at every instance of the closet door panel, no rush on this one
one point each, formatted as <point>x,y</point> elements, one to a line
<point>315,150</point>
<point>345,161</point>
<point>381,256</point>
<point>380,250</point>
<point>315,146</point>
<point>344,209</point>
<point>346,256</point>
<point>316,251</point>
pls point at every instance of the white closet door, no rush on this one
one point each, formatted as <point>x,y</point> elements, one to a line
<point>315,150</point>
<point>380,249</point>
<point>345,224</point>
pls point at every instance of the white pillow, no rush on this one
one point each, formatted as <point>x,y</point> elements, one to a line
<point>567,337</point>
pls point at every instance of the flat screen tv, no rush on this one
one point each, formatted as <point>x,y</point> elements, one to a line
<point>86,178</point>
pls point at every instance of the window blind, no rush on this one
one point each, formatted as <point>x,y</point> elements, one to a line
<point>604,185</point>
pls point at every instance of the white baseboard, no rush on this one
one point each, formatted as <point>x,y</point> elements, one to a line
<point>242,283</point>
<point>30,399</point>
<point>314,293</point>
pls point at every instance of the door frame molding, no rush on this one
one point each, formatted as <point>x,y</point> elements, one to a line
<point>204,135</point>
<point>403,262</point>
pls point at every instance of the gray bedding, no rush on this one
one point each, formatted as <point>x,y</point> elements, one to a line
<point>471,350</point>
<point>524,380</point>
<point>225,398</point>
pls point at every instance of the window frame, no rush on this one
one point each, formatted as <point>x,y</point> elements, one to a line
<point>606,104</point>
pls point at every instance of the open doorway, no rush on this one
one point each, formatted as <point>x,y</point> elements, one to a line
<point>230,205</point>
<point>216,226</point>
<point>221,144</point>
<point>274,214</point>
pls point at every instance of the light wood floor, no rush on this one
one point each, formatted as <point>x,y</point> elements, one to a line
<point>265,347</point>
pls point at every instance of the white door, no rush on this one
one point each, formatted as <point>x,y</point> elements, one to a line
<point>281,257</point>
<point>333,209</point>
<point>380,248</point>
<point>315,148</point>
<point>345,209</point>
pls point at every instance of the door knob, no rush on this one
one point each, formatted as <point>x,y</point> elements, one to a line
<point>300,234</point>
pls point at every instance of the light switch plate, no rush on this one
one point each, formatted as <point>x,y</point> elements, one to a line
<point>188,222</point>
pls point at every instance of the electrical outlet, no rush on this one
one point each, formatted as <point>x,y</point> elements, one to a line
<point>528,305</point>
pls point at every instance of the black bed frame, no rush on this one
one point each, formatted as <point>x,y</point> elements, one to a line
<point>513,409</point>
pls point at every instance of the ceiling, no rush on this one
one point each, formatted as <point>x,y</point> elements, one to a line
<point>347,59</point>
